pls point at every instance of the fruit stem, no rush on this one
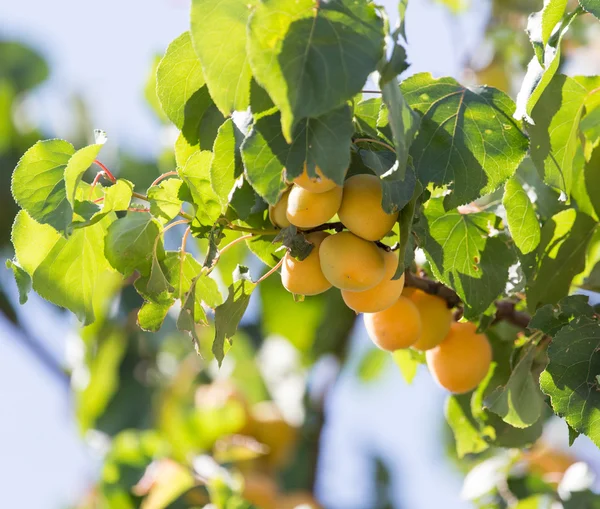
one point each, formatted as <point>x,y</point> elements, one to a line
<point>338,227</point>
<point>274,269</point>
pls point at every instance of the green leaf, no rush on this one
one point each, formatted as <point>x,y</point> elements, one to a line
<point>200,127</point>
<point>573,434</point>
<point>152,315</point>
<point>366,113</point>
<point>301,53</point>
<point>196,174</point>
<point>130,243</point>
<point>219,34</point>
<point>551,318</point>
<point>591,6</point>
<point>229,314</point>
<point>555,135</point>
<point>405,223</point>
<point>295,242</point>
<point>178,78</point>
<point>78,164</point>
<point>586,184</point>
<point>539,75</point>
<point>520,215</point>
<point>464,257</point>
<point>38,184</point>
<point>590,128</point>
<point>116,198</point>
<point>165,203</point>
<point>32,241</point>
<point>181,271</point>
<point>73,274</point>
<point>541,24</point>
<point>559,257</point>
<point>520,401</point>
<point>465,428</point>
<point>408,362</point>
<point>157,282</point>
<point>467,138</point>
<point>191,314</point>
<point>371,365</point>
<point>22,279</point>
<point>207,291</point>
<point>226,166</point>
<point>323,142</point>
<point>570,378</point>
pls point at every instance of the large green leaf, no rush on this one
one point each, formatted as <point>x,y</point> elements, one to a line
<point>219,34</point>
<point>519,402</point>
<point>592,6</point>
<point>590,128</point>
<point>571,378</point>
<point>541,25</point>
<point>559,257</point>
<point>464,256</point>
<point>226,165</point>
<point>550,319</point>
<point>25,231</point>
<point>229,314</point>
<point>38,183</point>
<point>196,174</point>
<point>466,429</point>
<point>74,272</point>
<point>130,243</point>
<point>311,56</point>
<point>520,215</point>
<point>467,138</point>
<point>555,135</point>
<point>178,77</point>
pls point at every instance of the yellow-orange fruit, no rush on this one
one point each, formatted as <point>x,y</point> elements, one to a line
<point>462,360</point>
<point>398,326</point>
<point>305,277</point>
<point>318,184</point>
<point>381,296</point>
<point>307,210</point>
<point>278,213</point>
<point>435,315</point>
<point>351,263</point>
<point>260,490</point>
<point>361,210</point>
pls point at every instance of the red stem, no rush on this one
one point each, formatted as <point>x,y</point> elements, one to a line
<point>163,176</point>
<point>106,171</point>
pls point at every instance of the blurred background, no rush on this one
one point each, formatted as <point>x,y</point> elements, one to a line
<point>303,403</point>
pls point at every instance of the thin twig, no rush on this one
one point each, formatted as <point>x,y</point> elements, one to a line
<point>235,241</point>
<point>371,91</point>
<point>164,176</point>
<point>433,288</point>
<point>106,171</point>
<point>370,140</point>
<point>140,196</point>
<point>274,269</point>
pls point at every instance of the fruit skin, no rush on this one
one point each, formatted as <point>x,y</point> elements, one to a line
<point>462,360</point>
<point>319,184</point>
<point>278,213</point>
<point>361,210</point>
<point>399,326</point>
<point>435,315</point>
<point>305,277</point>
<point>351,263</point>
<point>307,210</point>
<point>381,296</point>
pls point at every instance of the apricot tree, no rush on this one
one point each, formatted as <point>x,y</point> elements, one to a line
<point>459,221</point>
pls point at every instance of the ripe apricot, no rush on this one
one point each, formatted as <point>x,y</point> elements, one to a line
<point>307,210</point>
<point>305,277</point>
<point>361,210</point>
<point>462,360</point>
<point>351,263</point>
<point>278,212</point>
<point>381,296</point>
<point>396,327</point>
<point>318,184</point>
<point>435,315</point>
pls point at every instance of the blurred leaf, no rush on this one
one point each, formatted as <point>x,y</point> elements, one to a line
<point>466,430</point>
<point>21,65</point>
<point>178,78</point>
<point>229,314</point>
<point>371,364</point>
<point>520,215</point>
<point>408,361</point>
<point>152,315</point>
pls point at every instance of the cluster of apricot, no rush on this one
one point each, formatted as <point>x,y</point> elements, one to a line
<point>351,260</point>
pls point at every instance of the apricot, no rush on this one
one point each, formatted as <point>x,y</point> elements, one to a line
<point>278,212</point>
<point>462,360</point>
<point>396,327</point>
<point>351,263</point>
<point>361,210</point>
<point>381,296</point>
<point>307,210</point>
<point>318,184</point>
<point>435,315</point>
<point>305,277</point>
